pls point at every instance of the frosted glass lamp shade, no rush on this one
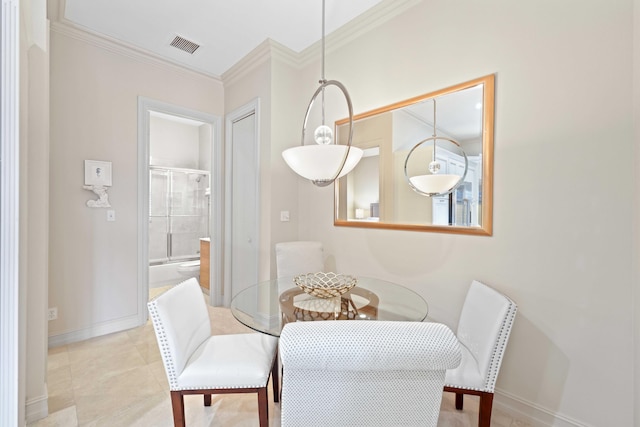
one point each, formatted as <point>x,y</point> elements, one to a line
<point>320,163</point>
<point>435,184</point>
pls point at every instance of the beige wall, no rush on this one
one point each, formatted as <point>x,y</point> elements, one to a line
<point>174,144</point>
<point>94,100</point>
<point>36,179</point>
<point>288,108</point>
<point>563,189</point>
<point>34,209</point>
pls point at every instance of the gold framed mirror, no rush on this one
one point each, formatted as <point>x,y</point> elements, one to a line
<point>376,194</point>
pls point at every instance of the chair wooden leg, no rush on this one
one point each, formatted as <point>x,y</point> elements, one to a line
<point>275,380</point>
<point>207,400</point>
<point>177,402</point>
<point>263,406</point>
<point>459,401</point>
<point>486,404</point>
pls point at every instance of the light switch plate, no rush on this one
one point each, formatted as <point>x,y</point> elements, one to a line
<point>284,216</point>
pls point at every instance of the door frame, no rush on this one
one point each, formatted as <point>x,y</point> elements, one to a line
<point>12,314</point>
<point>145,106</point>
<point>253,107</point>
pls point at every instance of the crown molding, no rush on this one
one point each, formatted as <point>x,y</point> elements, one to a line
<point>284,54</point>
<point>265,51</point>
<point>270,49</point>
<point>113,45</point>
<point>371,19</point>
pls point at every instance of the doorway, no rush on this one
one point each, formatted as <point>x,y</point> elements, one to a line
<point>179,199</point>
<point>186,200</point>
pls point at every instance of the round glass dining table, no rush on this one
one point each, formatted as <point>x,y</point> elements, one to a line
<point>267,306</point>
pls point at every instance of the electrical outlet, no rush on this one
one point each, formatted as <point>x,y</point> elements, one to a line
<point>53,313</point>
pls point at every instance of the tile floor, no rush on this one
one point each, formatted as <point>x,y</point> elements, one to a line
<point>118,380</point>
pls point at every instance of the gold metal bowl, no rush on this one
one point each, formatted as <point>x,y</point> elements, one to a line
<point>325,285</point>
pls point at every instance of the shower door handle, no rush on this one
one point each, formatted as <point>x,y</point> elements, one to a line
<point>169,242</point>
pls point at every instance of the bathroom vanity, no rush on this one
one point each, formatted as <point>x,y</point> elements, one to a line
<point>204,262</point>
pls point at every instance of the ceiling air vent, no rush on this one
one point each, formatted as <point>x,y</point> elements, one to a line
<point>184,44</point>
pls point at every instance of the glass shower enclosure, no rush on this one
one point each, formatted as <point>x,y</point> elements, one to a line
<point>178,213</point>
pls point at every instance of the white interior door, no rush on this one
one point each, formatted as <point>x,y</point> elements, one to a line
<point>243,201</point>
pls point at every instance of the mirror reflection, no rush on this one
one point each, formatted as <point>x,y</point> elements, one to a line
<point>376,193</point>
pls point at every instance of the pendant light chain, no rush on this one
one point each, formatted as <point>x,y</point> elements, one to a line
<point>322,78</point>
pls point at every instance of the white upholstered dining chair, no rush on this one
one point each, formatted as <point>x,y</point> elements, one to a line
<point>299,257</point>
<point>364,373</point>
<point>483,331</point>
<point>198,363</point>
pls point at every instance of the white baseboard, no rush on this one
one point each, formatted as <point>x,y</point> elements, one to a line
<point>95,331</point>
<point>37,408</point>
<point>530,413</point>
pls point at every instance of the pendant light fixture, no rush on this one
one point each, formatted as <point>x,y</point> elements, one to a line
<point>322,163</point>
<point>435,183</point>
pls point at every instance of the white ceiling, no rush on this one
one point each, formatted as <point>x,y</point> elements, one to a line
<point>226,30</point>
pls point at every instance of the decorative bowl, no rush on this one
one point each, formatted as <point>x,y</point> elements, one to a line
<point>325,285</point>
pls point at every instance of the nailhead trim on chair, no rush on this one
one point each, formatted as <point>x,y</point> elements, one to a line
<point>498,351</point>
<point>164,345</point>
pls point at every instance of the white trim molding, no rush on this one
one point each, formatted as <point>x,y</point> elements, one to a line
<point>264,52</point>
<point>270,49</point>
<point>9,212</point>
<point>93,331</point>
<point>531,413</point>
<point>372,18</point>
<point>145,106</point>
<point>37,408</point>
